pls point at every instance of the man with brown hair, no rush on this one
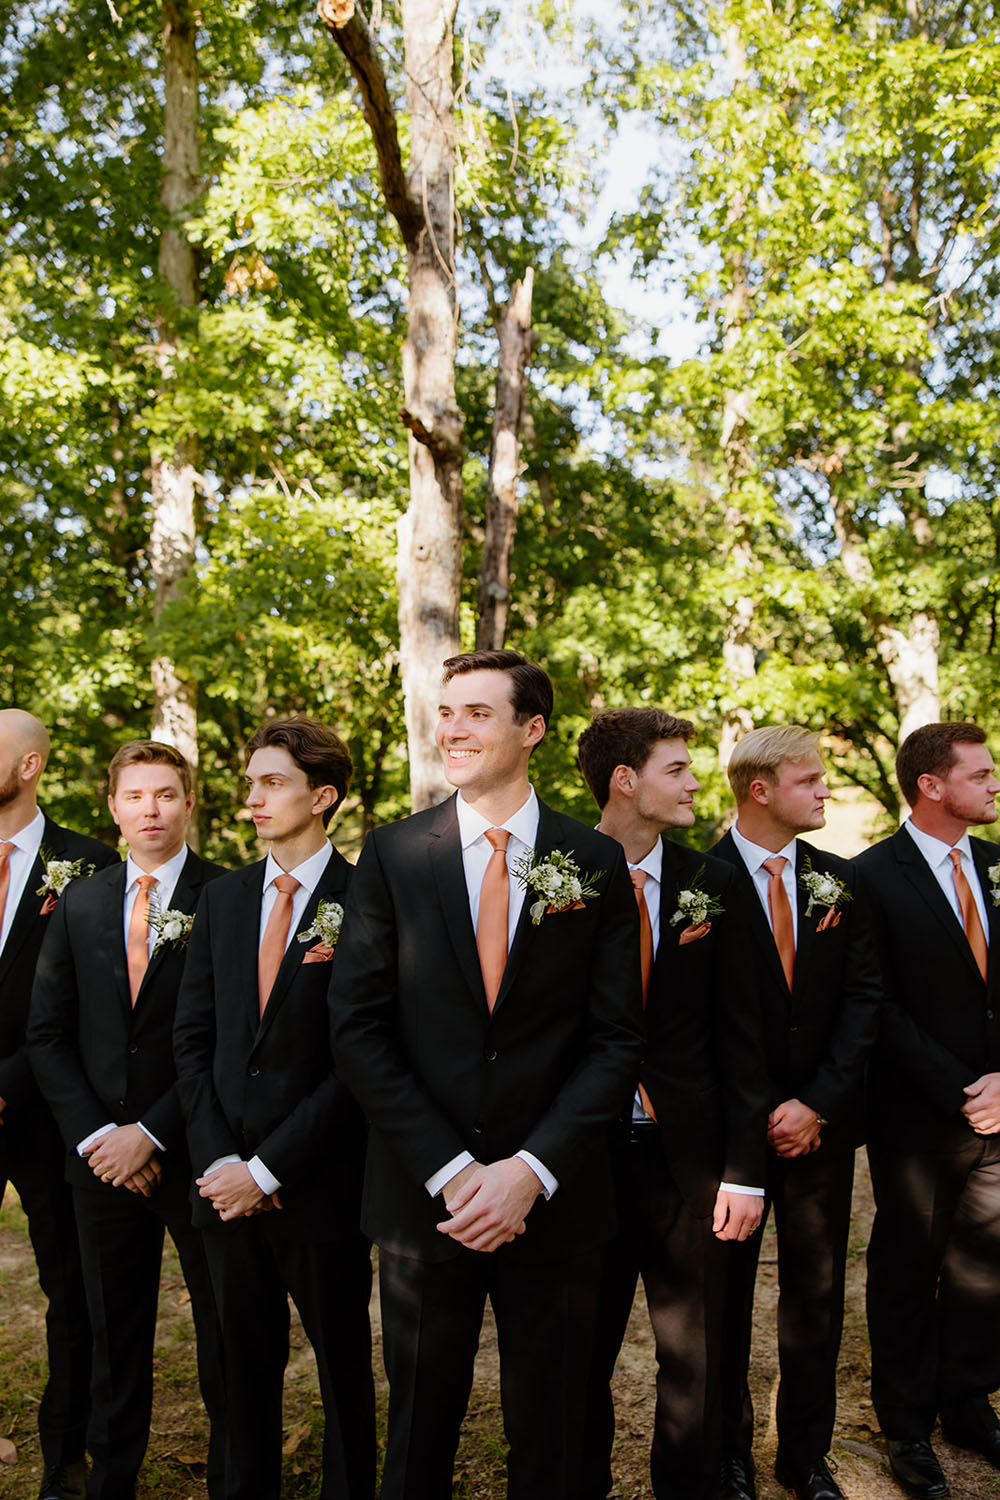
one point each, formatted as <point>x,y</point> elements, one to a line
<point>487,1018</point>
<point>934,1111</point>
<point>100,1041</point>
<point>276,1140</point>
<point>817,977</point>
<point>35,855</point>
<point>689,1153</point>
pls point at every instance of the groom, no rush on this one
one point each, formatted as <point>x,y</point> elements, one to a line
<point>490,1034</point>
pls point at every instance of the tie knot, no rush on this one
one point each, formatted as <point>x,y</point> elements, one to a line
<point>955,855</point>
<point>287,884</point>
<point>7,849</point>
<point>146,882</point>
<point>498,839</point>
<point>639,878</point>
<point>776,865</point>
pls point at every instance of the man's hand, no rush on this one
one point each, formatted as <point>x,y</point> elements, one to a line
<point>736,1215</point>
<point>793,1128</point>
<point>983,1108</point>
<point>232,1191</point>
<point>120,1155</point>
<point>491,1204</point>
<point>146,1179</point>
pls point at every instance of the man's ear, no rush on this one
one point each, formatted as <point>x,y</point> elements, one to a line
<point>929,786</point>
<point>623,779</point>
<point>324,797</point>
<point>760,790</point>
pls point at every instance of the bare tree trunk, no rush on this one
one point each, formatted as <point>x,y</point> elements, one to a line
<point>428,567</point>
<point>515,340</point>
<point>174,469</point>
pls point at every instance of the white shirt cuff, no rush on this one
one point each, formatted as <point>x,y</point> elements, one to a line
<point>95,1135</point>
<point>158,1144</point>
<point>444,1174</point>
<point>265,1180</point>
<point>545,1177</point>
<point>737,1187</point>
<point>220,1161</point>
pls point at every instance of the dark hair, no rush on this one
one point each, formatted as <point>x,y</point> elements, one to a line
<point>624,737</point>
<point>930,751</point>
<point>530,687</point>
<point>149,753</point>
<point>315,749</point>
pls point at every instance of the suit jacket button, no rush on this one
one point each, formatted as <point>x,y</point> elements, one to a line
<point>989,1015</point>
<point>478,1127</point>
<point>121,1104</point>
<point>491,1056</point>
<point>132,1051</point>
<point>254,1072</point>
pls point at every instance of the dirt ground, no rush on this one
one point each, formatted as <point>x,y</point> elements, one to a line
<point>174,1468</point>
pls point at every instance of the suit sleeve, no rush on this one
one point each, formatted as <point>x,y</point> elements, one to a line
<point>841,1073</point>
<point>195,1040</point>
<point>53,1025</point>
<point>364,1032</point>
<point>740,1048</point>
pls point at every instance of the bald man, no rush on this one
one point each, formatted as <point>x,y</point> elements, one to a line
<point>32,1155</point>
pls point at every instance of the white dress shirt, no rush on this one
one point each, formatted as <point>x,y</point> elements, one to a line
<point>27,842</point>
<point>753,857</point>
<point>476,854</point>
<point>938,856</point>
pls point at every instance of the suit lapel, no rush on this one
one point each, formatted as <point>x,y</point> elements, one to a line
<point>184,898</point>
<point>982,858</point>
<point>246,940</point>
<point>805,927</point>
<point>329,887</point>
<point>113,923</point>
<point>550,836</point>
<point>30,905</point>
<point>445,848</point>
<point>923,880</point>
<point>759,924</point>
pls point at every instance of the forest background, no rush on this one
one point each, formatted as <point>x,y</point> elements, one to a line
<point>659,340</point>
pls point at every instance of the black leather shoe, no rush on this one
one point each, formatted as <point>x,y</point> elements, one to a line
<point>65,1481</point>
<point>736,1481</point>
<point>811,1481</point>
<point>984,1440</point>
<point>916,1469</point>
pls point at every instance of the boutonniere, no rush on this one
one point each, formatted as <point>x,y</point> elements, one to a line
<point>326,926</point>
<point>172,927</point>
<point>994,877</point>
<point>556,881</point>
<point>58,874</point>
<point>697,907</point>
<point>823,890</point>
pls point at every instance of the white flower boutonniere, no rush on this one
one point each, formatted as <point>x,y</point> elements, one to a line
<point>695,905</point>
<point>823,890</point>
<point>557,881</point>
<point>994,874</point>
<point>326,926</point>
<point>172,927</point>
<point>58,874</point>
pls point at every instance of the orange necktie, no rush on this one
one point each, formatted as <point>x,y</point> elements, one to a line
<point>494,909</point>
<point>970,912</point>
<point>137,946</point>
<point>782,925</point>
<point>275,939</point>
<point>639,878</point>
<point>6,850</point>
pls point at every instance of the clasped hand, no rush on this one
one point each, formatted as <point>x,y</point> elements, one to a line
<point>489,1204</point>
<point>126,1157</point>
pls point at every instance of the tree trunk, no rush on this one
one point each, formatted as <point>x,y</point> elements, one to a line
<point>515,340</point>
<point>174,469</point>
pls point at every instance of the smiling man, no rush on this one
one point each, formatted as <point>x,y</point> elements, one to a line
<point>490,1034</point>
<point>276,1140</point>
<point>817,977</point>
<point>934,1110</point>
<point>100,1043</point>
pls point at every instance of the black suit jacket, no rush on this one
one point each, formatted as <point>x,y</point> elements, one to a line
<point>940,1027</point>
<point>266,1087</point>
<point>96,1057</point>
<point>818,1036</point>
<point>703,1062</point>
<point>20,955</point>
<point>438,1074</point>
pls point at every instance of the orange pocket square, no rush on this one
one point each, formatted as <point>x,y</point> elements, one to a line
<point>554,911</point>
<point>830,920</point>
<point>319,953</point>
<point>48,905</point>
<point>692,934</point>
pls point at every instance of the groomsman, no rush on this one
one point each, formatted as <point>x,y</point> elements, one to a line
<point>100,1042</point>
<point>934,1111</point>
<point>277,1141</point>
<point>689,1158</point>
<point>32,1156</point>
<point>487,1019</point>
<point>817,975</point>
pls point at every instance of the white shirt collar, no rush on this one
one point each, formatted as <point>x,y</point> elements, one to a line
<point>29,838</point>
<point>935,850</point>
<point>167,874</point>
<point>523,824</point>
<point>308,873</point>
<point>653,862</point>
<point>754,856</point>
